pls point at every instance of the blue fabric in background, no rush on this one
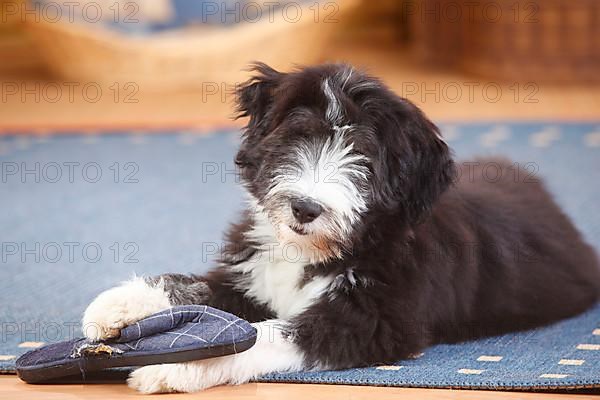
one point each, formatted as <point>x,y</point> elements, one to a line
<point>141,18</point>
<point>163,200</point>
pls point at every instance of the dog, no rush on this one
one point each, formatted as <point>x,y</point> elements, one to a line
<point>363,241</point>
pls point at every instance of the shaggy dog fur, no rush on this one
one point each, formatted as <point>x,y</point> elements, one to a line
<point>365,240</point>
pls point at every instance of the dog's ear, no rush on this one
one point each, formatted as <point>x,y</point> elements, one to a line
<point>434,170</point>
<point>254,97</point>
<point>418,162</point>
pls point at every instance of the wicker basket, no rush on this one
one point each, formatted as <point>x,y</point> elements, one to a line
<point>15,47</point>
<point>541,40</point>
<point>186,59</point>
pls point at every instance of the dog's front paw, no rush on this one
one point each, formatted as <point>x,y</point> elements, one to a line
<point>185,377</point>
<point>120,306</point>
<point>169,378</point>
<point>152,379</point>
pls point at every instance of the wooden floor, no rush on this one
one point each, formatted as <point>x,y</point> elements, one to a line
<point>13,389</point>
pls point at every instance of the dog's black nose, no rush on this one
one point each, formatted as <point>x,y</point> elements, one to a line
<point>306,211</point>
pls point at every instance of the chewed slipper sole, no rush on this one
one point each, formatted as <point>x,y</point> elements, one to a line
<point>179,334</point>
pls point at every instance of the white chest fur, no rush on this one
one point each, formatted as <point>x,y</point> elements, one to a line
<point>274,275</point>
<point>278,283</point>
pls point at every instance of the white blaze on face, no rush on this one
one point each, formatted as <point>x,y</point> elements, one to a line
<point>329,173</point>
<point>334,113</point>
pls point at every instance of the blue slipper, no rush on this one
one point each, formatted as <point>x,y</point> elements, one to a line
<point>179,334</point>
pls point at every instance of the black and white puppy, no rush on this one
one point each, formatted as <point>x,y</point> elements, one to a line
<point>363,242</point>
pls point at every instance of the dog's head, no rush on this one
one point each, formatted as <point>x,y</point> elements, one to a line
<point>327,147</point>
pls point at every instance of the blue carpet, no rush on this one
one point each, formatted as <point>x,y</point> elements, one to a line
<point>81,213</point>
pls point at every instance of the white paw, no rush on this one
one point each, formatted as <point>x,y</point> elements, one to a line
<point>151,379</point>
<point>121,306</point>
<point>169,378</point>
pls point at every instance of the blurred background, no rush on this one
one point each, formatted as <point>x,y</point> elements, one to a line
<point>169,63</point>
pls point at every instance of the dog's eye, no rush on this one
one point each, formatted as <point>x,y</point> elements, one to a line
<point>243,162</point>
